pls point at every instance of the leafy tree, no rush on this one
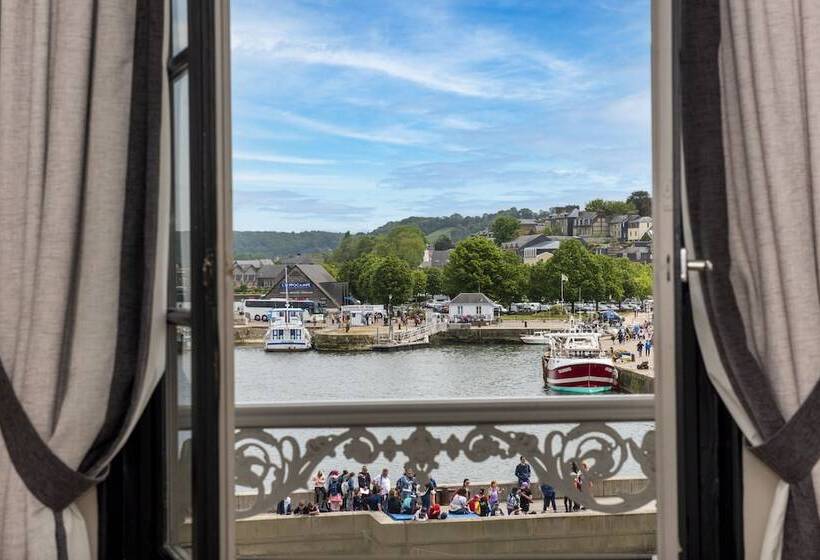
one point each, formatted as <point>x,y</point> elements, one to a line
<point>405,242</point>
<point>610,207</point>
<point>332,269</point>
<point>505,228</point>
<point>435,281</point>
<point>642,201</point>
<point>356,273</point>
<point>478,265</point>
<point>419,282</point>
<point>526,213</point>
<point>391,276</point>
<point>443,243</point>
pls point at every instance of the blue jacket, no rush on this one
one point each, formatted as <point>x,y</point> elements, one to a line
<point>523,471</point>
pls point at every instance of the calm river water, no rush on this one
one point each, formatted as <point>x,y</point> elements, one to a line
<point>462,371</point>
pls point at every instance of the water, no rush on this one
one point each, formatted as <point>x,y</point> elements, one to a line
<point>458,371</point>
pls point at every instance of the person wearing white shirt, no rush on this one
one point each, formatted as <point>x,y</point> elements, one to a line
<point>384,487</point>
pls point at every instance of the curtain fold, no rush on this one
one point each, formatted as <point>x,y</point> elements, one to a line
<point>751,123</point>
<point>83,262</point>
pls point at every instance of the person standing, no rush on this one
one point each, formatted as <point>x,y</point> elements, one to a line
<point>549,498</point>
<point>492,495</point>
<point>569,505</point>
<point>319,489</point>
<point>365,481</point>
<point>523,471</point>
<point>384,487</point>
<point>640,348</point>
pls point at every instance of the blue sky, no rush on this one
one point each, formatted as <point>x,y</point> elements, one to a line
<point>347,114</point>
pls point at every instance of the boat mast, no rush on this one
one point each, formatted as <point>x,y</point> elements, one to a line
<point>287,297</point>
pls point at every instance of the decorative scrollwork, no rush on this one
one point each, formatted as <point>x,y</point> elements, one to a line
<point>263,459</point>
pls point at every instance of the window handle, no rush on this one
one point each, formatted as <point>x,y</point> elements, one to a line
<point>694,265</point>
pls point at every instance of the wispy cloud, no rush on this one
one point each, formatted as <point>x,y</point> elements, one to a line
<point>398,134</point>
<point>278,158</point>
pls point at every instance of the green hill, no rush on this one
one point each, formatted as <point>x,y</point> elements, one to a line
<point>272,244</point>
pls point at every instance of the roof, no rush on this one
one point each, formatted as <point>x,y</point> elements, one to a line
<point>472,297</point>
<point>256,263</point>
<point>620,218</point>
<point>529,222</point>
<point>316,273</point>
<point>523,240</point>
<point>271,271</point>
<point>549,244</point>
<point>641,219</point>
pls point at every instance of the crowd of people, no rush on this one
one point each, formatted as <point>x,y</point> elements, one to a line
<point>359,491</point>
<point>640,333</point>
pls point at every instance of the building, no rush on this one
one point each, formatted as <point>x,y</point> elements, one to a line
<point>363,314</point>
<point>521,242</point>
<point>562,219</point>
<point>472,306</point>
<point>591,224</point>
<point>309,282</point>
<point>528,226</point>
<point>638,227</point>
<point>245,272</point>
<point>435,259</point>
<point>618,226</point>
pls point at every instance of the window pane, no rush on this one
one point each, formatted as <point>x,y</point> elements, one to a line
<point>182,195</point>
<point>178,434</point>
<point>179,26</point>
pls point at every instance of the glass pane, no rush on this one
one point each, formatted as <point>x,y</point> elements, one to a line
<point>182,195</point>
<point>178,434</point>
<point>179,26</point>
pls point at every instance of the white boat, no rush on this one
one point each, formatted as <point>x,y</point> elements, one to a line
<point>287,333</point>
<point>538,337</point>
<point>286,328</point>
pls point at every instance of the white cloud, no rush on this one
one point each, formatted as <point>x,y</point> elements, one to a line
<point>632,110</point>
<point>400,135</point>
<point>283,159</point>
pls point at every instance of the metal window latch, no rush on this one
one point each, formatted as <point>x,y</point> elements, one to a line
<point>694,265</point>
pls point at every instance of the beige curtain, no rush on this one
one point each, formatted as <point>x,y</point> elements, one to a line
<point>83,231</point>
<point>751,125</point>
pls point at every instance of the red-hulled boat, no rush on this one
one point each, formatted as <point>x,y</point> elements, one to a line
<point>575,363</point>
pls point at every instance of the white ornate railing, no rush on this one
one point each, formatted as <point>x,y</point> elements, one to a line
<point>274,466</point>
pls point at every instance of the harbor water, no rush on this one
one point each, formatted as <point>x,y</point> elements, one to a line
<point>438,372</point>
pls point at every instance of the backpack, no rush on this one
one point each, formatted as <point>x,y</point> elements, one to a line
<point>435,511</point>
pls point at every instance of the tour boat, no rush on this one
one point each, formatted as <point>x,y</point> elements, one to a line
<point>575,363</point>
<point>286,332</point>
<point>286,329</point>
<point>538,337</point>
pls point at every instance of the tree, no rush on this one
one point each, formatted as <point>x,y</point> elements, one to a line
<point>443,243</point>
<point>405,242</point>
<point>357,273</point>
<point>505,228</point>
<point>391,276</point>
<point>419,282</point>
<point>478,265</point>
<point>435,281</point>
<point>642,201</point>
<point>610,207</point>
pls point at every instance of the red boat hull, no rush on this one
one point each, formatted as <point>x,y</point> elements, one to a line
<point>580,376</point>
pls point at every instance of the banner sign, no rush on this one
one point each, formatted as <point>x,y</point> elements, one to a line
<point>296,287</point>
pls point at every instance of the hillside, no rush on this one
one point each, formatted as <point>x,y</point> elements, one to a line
<point>272,244</point>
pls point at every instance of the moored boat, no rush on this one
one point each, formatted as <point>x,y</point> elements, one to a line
<point>287,333</point>
<point>538,337</point>
<point>575,363</point>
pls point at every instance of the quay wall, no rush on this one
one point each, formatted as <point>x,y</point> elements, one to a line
<point>343,342</point>
<point>635,382</point>
<point>374,535</point>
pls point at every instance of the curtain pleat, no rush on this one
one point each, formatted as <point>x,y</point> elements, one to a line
<point>82,264</point>
<point>751,123</point>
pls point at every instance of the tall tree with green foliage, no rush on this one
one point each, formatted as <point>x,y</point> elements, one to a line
<point>642,201</point>
<point>505,228</point>
<point>356,273</point>
<point>419,282</point>
<point>478,265</point>
<point>610,207</point>
<point>405,242</point>
<point>435,281</point>
<point>391,276</point>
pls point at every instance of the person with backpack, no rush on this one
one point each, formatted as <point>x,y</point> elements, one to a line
<point>334,491</point>
<point>523,471</point>
<point>406,484</point>
<point>549,498</point>
<point>513,502</point>
<point>349,488</point>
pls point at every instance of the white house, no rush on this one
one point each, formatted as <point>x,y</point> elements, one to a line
<point>473,306</point>
<point>361,315</point>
